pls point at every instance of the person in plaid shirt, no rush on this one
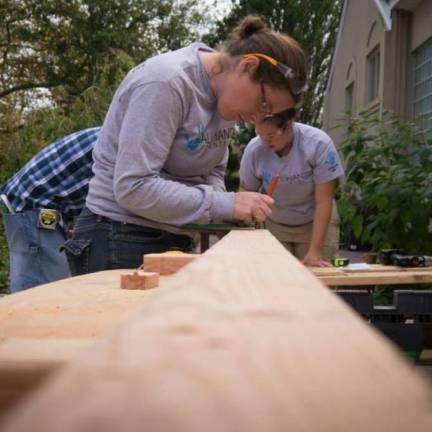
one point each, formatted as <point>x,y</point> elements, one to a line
<point>39,201</point>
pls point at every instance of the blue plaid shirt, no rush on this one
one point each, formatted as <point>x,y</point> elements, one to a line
<point>57,177</point>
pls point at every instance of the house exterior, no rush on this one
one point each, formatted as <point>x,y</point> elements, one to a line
<point>382,61</point>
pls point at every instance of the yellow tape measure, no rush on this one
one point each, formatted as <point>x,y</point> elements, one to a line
<point>48,219</point>
<point>340,262</point>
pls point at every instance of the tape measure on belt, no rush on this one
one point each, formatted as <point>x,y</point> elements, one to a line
<point>48,219</point>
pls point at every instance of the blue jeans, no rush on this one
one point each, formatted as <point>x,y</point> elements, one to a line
<point>34,253</point>
<point>99,243</point>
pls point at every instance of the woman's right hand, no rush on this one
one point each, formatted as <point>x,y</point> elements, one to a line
<point>252,206</point>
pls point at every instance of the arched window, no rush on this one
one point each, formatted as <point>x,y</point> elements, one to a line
<point>373,63</point>
<point>423,87</point>
<point>349,87</point>
<point>373,74</point>
<point>373,36</point>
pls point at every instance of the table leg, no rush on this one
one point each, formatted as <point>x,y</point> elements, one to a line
<point>205,241</point>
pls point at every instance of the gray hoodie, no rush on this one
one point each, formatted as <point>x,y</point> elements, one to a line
<point>161,155</point>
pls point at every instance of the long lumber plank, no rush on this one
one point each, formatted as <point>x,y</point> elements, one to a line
<point>25,363</point>
<point>374,268</point>
<point>167,263</point>
<point>82,307</point>
<point>378,278</point>
<point>243,339</point>
<point>42,328</point>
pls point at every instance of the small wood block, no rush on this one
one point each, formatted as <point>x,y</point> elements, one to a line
<point>167,263</point>
<point>139,280</point>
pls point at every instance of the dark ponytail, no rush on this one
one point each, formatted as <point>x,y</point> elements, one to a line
<point>249,26</point>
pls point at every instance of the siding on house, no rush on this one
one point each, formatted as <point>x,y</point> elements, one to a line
<point>363,32</point>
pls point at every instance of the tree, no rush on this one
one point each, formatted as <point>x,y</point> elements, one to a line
<point>61,61</point>
<point>61,43</point>
<point>313,23</point>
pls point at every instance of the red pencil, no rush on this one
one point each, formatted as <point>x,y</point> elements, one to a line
<point>273,185</point>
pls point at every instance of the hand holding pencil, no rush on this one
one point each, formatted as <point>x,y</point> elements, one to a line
<point>252,206</point>
<point>270,192</point>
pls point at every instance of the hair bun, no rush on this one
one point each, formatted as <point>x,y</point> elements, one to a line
<point>249,26</point>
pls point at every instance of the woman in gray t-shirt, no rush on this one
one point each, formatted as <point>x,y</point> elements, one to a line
<point>307,163</point>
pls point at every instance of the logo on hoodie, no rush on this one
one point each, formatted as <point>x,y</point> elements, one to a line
<point>267,177</point>
<point>193,143</point>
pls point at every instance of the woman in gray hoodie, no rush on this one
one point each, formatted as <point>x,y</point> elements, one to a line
<point>161,155</point>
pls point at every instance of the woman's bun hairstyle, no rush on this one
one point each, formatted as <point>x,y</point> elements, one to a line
<point>252,35</point>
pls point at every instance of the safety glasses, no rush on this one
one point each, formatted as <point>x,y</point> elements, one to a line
<point>281,119</point>
<point>297,87</point>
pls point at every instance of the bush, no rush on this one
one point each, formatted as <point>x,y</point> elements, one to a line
<point>242,135</point>
<point>387,195</point>
<point>44,125</point>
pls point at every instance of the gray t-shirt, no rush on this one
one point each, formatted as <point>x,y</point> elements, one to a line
<point>161,155</point>
<point>313,159</point>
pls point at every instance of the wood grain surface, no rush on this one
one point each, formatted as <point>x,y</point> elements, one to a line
<point>243,339</point>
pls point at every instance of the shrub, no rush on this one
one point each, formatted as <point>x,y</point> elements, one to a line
<point>44,125</point>
<point>387,194</point>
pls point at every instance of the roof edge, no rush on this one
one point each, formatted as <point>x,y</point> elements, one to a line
<point>384,8</point>
<point>342,22</point>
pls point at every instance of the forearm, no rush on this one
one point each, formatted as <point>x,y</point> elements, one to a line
<point>172,202</point>
<point>321,222</point>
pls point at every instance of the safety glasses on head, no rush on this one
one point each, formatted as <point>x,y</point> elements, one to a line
<point>281,119</point>
<point>297,87</point>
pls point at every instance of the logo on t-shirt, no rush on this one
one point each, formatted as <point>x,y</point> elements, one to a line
<point>193,143</point>
<point>331,161</point>
<point>267,177</point>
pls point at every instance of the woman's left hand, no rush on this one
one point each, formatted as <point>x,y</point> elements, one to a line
<point>314,259</point>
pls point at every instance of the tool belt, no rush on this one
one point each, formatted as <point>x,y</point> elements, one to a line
<point>48,219</point>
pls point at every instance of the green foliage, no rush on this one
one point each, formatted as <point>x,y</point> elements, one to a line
<point>52,43</point>
<point>41,126</point>
<point>45,125</point>
<point>313,23</point>
<point>387,195</point>
<point>62,60</point>
<point>243,134</point>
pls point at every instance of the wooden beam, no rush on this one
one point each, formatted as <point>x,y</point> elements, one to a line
<point>378,278</point>
<point>139,280</point>
<point>26,363</point>
<point>47,322</point>
<point>86,306</point>
<point>376,275</point>
<point>243,339</point>
<point>167,263</point>
<point>374,268</point>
